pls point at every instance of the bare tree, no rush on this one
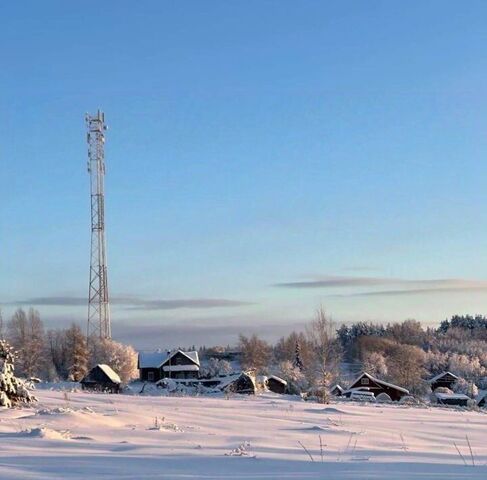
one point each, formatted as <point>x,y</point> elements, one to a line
<point>256,353</point>
<point>321,333</point>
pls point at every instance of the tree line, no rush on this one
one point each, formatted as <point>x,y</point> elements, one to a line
<point>62,353</point>
<point>404,353</point>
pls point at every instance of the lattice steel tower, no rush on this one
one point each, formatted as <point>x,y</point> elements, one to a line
<point>98,305</point>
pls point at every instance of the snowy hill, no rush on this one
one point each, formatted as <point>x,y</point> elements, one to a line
<point>135,437</point>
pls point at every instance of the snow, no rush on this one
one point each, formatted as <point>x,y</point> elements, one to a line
<point>181,368</point>
<point>81,435</point>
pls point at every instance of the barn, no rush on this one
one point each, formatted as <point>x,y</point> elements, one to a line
<point>176,364</point>
<point>444,379</point>
<point>276,384</point>
<point>101,378</point>
<point>481,399</point>
<point>366,382</point>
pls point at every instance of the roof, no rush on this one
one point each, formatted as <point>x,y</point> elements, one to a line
<point>451,396</point>
<point>157,359</point>
<point>108,371</point>
<point>277,379</point>
<point>441,375</point>
<point>380,382</point>
<point>337,386</point>
<point>180,368</point>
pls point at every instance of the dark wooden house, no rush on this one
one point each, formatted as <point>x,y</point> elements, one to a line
<point>175,364</point>
<point>276,384</point>
<point>444,379</point>
<point>240,383</point>
<point>101,378</point>
<point>368,383</point>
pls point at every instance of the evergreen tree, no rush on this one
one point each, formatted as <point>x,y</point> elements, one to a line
<point>13,391</point>
<point>298,363</point>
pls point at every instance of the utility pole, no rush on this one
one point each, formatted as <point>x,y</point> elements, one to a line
<point>98,305</point>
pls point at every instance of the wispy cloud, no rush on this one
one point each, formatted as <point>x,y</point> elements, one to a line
<point>398,286</point>
<point>134,303</point>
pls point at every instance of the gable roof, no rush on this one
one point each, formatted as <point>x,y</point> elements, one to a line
<point>378,382</point>
<point>157,359</point>
<point>277,379</point>
<point>441,375</point>
<point>337,386</point>
<point>481,395</point>
<point>110,373</point>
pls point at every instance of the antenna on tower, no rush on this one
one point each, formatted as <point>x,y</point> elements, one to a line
<point>98,305</point>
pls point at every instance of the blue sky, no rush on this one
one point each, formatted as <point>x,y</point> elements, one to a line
<point>263,158</point>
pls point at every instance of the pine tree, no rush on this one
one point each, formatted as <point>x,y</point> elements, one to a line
<point>298,363</point>
<point>13,391</point>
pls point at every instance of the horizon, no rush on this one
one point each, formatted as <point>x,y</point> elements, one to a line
<point>262,160</point>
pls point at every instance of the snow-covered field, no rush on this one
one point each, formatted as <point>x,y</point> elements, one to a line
<point>97,436</point>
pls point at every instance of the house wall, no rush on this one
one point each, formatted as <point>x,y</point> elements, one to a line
<point>378,389</point>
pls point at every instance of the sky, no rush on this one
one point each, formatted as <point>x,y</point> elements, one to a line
<point>264,158</point>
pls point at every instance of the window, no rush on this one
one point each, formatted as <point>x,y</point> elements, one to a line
<point>150,376</point>
<point>364,381</point>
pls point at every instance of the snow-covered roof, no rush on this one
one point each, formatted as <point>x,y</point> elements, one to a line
<point>157,359</point>
<point>380,382</point>
<point>451,396</point>
<point>441,375</point>
<point>278,379</point>
<point>108,371</point>
<point>337,386</point>
<point>180,368</point>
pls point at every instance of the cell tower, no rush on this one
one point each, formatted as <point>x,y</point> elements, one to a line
<point>98,305</point>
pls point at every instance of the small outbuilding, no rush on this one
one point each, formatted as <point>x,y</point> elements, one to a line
<point>276,384</point>
<point>481,399</point>
<point>444,379</point>
<point>240,383</point>
<point>337,390</point>
<point>368,383</point>
<point>458,399</point>
<point>101,378</point>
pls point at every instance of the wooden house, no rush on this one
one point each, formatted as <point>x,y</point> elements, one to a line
<point>101,378</point>
<point>276,384</point>
<point>368,383</point>
<point>444,379</point>
<point>175,364</point>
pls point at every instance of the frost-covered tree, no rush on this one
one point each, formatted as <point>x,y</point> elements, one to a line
<point>121,358</point>
<point>25,332</point>
<point>375,364</point>
<point>294,376</point>
<point>13,391</point>
<point>465,387</point>
<point>216,367</point>
<point>298,363</point>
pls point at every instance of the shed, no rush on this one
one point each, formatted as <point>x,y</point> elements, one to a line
<point>337,390</point>
<point>367,382</point>
<point>481,399</point>
<point>240,383</point>
<point>276,384</point>
<point>444,379</point>
<point>101,378</point>
<point>458,399</point>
